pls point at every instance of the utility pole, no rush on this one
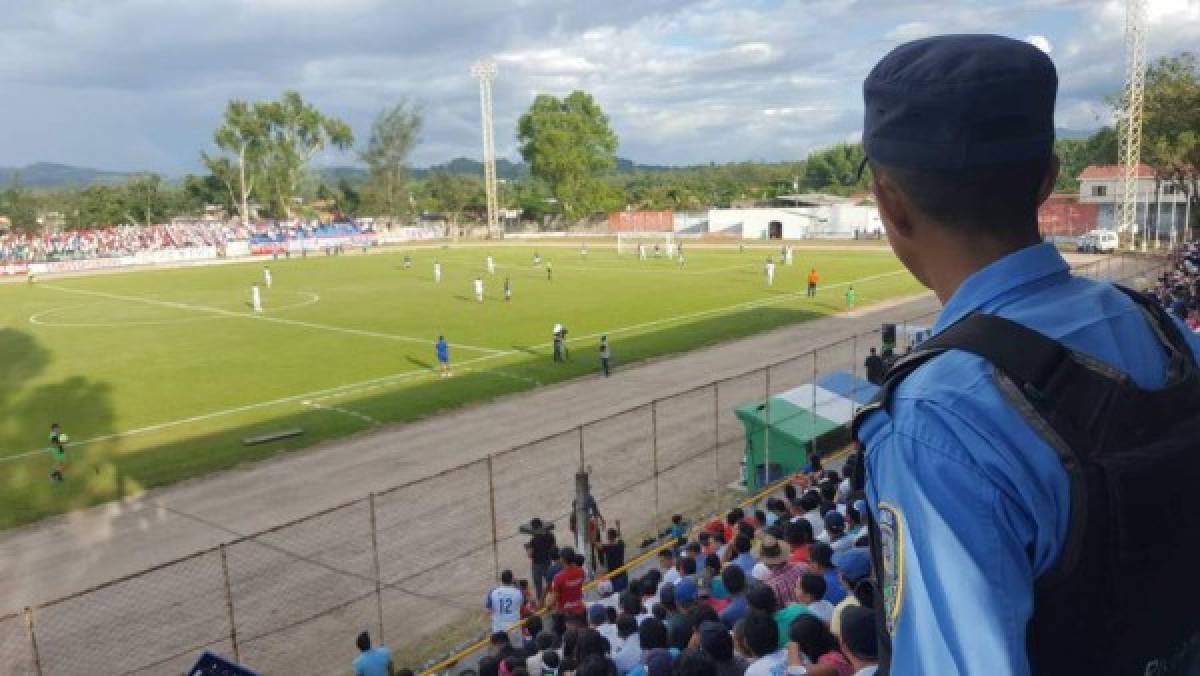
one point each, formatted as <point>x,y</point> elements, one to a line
<point>485,72</point>
<point>1130,130</point>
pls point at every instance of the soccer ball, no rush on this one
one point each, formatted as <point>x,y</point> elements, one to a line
<point>63,438</point>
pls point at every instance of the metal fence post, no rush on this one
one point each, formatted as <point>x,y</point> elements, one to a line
<point>33,644</point>
<point>375,553</point>
<point>716,442</point>
<point>582,464</point>
<point>492,511</point>
<point>654,446</point>
<point>237,657</point>
<point>854,370</point>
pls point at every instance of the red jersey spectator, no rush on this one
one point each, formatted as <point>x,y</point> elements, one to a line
<point>566,591</point>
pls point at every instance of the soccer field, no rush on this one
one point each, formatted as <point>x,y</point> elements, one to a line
<point>158,376</point>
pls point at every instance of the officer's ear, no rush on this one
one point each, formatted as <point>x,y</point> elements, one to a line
<point>894,208</point>
<point>1049,179</point>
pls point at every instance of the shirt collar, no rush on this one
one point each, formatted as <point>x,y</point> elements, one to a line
<point>1014,270</point>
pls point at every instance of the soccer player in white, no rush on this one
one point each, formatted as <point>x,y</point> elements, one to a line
<point>437,272</point>
<point>491,265</point>
<point>256,298</point>
<point>478,290</point>
<point>641,251</point>
<point>267,276</point>
<point>583,250</point>
<point>504,602</point>
<point>770,272</point>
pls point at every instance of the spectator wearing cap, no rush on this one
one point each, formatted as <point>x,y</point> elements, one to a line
<point>734,580</point>
<point>762,599</point>
<point>679,625</point>
<point>714,640</point>
<point>835,532</point>
<point>859,641</point>
<point>598,620</point>
<point>821,557</point>
<point>371,661</point>
<point>811,594</point>
<point>853,566</point>
<point>812,644</point>
<point>757,637</point>
<point>783,575</point>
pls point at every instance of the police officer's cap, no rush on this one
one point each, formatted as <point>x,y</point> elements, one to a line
<point>955,102</point>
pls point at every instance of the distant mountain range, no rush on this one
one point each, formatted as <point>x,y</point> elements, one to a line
<point>53,176</point>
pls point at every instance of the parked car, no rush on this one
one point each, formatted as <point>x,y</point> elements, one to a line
<point>1098,241</point>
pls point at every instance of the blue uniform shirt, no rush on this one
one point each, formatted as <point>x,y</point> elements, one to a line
<point>972,504</point>
<point>443,351</point>
<point>373,662</point>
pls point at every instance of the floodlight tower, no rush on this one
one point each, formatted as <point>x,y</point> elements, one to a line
<point>485,71</point>
<point>1130,127</point>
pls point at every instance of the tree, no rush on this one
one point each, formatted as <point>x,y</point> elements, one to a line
<point>18,203</point>
<point>1171,123</point>
<point>452,194</point>
<point>348,198</point>
<point>245,135</point>
<point>201,191</point>
<point>569,145</point>
<point>144,200</point>
<point>836,169</point>
<point>393,137</point>
<point>297,131</point>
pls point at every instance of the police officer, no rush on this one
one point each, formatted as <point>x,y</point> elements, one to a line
<point>972,505</point>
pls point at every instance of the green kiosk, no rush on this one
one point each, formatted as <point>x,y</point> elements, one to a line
<point>802,419</point>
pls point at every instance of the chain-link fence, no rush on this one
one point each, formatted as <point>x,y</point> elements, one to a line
<point>412,564</point>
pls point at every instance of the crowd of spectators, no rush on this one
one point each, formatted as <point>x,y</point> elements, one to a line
<point>122,240</point>
<point>1178,289</point>
<point>782,589</point>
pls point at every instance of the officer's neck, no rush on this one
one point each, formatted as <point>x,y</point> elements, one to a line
<point>952,258</point>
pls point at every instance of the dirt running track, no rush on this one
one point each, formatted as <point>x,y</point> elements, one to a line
<point>280,579</point>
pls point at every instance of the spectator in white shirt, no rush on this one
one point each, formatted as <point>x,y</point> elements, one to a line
<point>505,603</point>
<point>598,620</point>
<point>810,502</point>
<point>757,637</point>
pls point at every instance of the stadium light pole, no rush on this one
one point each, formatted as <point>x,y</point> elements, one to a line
<point>485,71</point>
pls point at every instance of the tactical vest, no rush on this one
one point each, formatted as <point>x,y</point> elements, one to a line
<point>1124,595</point>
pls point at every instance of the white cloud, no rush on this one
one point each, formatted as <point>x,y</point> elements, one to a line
<point>137,84</point>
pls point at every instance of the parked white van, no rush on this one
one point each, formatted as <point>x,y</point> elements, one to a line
<point>1098,241</point>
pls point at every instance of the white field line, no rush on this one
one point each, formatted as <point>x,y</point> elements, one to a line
<point>361,416</point>
<point>39,317</point>
<point>383,381</point>
<point>264,318</point>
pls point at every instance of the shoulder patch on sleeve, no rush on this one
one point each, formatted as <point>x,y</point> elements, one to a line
<point>891,541</point>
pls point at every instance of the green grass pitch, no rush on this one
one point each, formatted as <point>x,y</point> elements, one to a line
<point>157,376</point>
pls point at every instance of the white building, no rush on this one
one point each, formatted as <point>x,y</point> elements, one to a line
<point>1159,214</point>
<point>844,220</point>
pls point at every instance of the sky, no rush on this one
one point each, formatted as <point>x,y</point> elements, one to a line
<point>141,84</point>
